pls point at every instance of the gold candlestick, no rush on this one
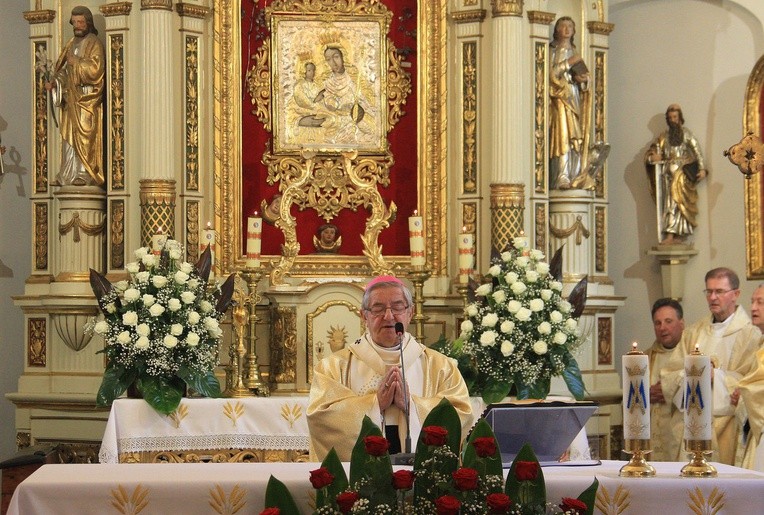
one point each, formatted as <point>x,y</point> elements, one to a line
<point>418,276</point>
<point>637,465</point>
<point>698,466</point>
<point>462,290</point>
<point>253,380</point>
<point>697,420</point>
<point>235,382</point>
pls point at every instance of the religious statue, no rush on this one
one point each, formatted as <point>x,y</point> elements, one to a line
<point>674,166</point>
<point>77,86</point>
<point>327,239</point>
<point>569,105</point>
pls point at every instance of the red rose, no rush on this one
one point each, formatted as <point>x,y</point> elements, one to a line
<point>498,503</point>
<point>321,477</point>
<point>526,470</point>
<point>448,505</point>
<point>376,445</point>
<point>485,446</point>
<point>403,479</point>
<point>435,435</point>
<point>346,500</point>
<point>570,505</point>
<point>271,511</point>
<point>465,478</point>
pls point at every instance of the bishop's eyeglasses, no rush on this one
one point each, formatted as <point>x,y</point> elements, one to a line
<point>397,308</point>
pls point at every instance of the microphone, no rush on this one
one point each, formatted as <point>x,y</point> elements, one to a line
<point>406,457</point>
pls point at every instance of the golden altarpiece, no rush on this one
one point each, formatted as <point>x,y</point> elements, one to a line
<point>201,126</point>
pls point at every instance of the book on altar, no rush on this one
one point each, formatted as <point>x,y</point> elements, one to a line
<point>549,426</point>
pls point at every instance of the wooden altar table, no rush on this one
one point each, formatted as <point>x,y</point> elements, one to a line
<point>196,488</point>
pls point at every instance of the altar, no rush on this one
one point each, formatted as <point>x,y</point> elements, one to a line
<point>194,488</point>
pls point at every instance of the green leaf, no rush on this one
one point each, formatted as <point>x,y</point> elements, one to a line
<point>445,416</point>
<point>589,496</point>
<point>495,391</point>
<point>573,378</point>
<point>115,381</point>
<point>161,393</point>
<point>326,496</point>
<point>488,465</point>
<point>277,495</point>
<point>205,383</point>
<point>529,491</point>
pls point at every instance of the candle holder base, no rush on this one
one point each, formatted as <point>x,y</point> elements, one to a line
<point>698,466</point>
<point>638,465</point>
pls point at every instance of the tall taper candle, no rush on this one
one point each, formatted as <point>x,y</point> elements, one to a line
<point>416,240</point>
<point>208,238</point>
<point>465,256</point>
<point>158,241</point>
<point>254,240</point>
<point>636,395</point>
<point>697,396</point>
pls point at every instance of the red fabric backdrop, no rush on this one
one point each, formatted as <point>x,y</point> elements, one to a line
<point>403,145</point>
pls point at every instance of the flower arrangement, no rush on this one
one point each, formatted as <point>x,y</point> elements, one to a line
<point>519,331</point>
<point>161,327</point>
<point>442,483</point>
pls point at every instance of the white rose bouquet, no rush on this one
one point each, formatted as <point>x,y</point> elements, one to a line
<point>161,327</point>
<point>519,332</point>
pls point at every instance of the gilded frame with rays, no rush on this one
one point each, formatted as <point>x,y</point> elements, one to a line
<point>753,187</point>
<point>431,120</point>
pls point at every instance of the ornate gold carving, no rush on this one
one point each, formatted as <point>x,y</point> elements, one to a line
<point>76,224</point>
<point>468,3</point>
<point>600,62</point>
<point>192,231</point>
<point>23,440</point>
<point>577,227</point>
<point>222,502</point>
<point>216,456</point>
<point>118,234</point>
<point>600,239</point>
<point>469,115</point>
<point>192,11</point>
<point>41,121</point>
<point>540,223</point>
<point>37,335</point>
<point>600,27</point>
<point>470,16</point>
<point>754,228</point>
<point>541,17</point>
<point>506,8</point>
<point>604,341</point>
<point>507,213</point>
<point>157,208</point>
<point>116,9</point>
<point>117,144</point>
<point>284,345</point>
<point>539,118</point>
<point>40,236</point>
<point>469,217</point>
<point>192,112</point>
<point>40,16</point>
<point>227,141</point>
<point>156,4</point>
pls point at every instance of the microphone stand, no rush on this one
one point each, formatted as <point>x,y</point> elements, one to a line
<point>406,457</point>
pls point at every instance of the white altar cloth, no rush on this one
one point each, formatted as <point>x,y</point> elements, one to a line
<point>274,423</point>
<point>197,488</point>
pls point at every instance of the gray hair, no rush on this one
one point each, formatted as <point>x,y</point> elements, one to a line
<point>389,284</point>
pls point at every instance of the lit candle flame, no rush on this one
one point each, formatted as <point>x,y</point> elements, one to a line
<point>634,346</point>
<point>209,225</point>
<point>697,347</point>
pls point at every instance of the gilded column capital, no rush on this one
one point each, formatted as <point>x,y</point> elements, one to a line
<point>40,16</point>
<point>507,195</point>
<point>156,4</point>
<point>470,16</point>
<point>506,8</point>
<point>192,10</point>
<point>116,9</point>
<point>600,27</point>
<point>541,17</point>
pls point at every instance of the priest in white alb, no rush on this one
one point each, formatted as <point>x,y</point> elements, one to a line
<point>366,378</point>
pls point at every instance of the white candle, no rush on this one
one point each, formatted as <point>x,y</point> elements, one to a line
<point>158,241</point>
<point>416,240</point>
<point>521,242</point>
<point>254,240</point>
<point>466,261</point>
<point>697,396</point>
<point>636,395</point>
<point>208,239</point>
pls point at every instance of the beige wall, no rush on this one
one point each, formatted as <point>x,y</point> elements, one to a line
<point>698,54</point>
<point>15,129</point>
